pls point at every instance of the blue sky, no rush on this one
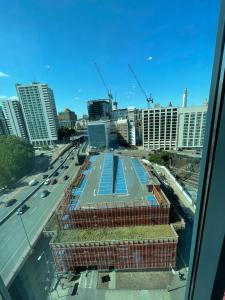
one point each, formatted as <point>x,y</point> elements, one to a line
<point>57,42</point>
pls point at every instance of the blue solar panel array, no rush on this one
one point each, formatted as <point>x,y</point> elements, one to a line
<point>93,158</point>
<point>152,200</point>
<point>73,205</point>
<point>140,171</point>
<point>120,182</point>
<point>106,181</point>
<point>78,191</point>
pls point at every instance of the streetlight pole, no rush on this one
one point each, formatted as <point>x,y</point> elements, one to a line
<point>25,231</point>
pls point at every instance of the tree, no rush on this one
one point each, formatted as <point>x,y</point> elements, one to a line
<point>65,133</point>
<point>45,147</point>
<point>16,159</point>
<point>156,158</point>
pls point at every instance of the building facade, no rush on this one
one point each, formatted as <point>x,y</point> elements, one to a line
<point>191,126</point>
<point>111,231</point>
<point>3,125</point>
<point>67,118</point>
<point>99,109</point>
<point>122,128</point>
<point>39,110</point>
<point>160,128</point>
<point>14,118</point>
<point>101,133</point>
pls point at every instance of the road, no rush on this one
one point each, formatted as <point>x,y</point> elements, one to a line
<point>24,190</point>
<point>14,244</point>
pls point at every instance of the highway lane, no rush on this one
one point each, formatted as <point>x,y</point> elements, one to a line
<point>20,195</point>
<point>14,245</point>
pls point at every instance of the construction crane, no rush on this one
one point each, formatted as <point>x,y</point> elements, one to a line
<point>109,93</point>
<point>148,99</point>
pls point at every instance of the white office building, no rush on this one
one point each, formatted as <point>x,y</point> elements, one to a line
<point>160,127</point>
<point>39,110</point>
<point>14,118</point>
<point>191,126</point>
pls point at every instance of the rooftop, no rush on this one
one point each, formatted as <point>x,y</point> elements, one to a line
<point>115,234</point>
<point>114,179</point>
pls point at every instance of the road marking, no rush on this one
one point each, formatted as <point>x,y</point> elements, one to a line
<point>33,210</point>
<point>5,243</point>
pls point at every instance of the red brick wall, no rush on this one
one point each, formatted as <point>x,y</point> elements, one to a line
<point>114,217</point>
<point>160,254</point>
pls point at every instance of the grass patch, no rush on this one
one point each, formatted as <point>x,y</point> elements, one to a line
<point>116,233</point>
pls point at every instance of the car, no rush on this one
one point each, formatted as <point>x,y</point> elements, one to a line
<point>56,174</point>
<point>66,167</point>
<point>22,209</point>
<point>45,176</point>
<point>33,182</point>
<point>47,181</point>
<point>65,177</point>
<point>44,193</point>
<point>62,167</point>
<point>10,202</point>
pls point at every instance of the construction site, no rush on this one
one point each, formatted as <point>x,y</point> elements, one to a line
<point>113,215</point>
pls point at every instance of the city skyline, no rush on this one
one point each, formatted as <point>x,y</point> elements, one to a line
<point>169,49</point>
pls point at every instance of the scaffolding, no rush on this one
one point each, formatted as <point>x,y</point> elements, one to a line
<point>153,253</point>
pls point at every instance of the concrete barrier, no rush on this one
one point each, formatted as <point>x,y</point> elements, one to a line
<point>189,199</point>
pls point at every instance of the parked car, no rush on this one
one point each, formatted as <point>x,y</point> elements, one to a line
<point>56,174</point>
<point>65,177</point>
<point>22,209</point>
<point>10,202</point>
<point>44,194</point>
<point>53,181</point>
<point>66,167</point>
<point>33,182</point>
<point>47,181</point>
<point>62,167</point>
<point>45,176</point>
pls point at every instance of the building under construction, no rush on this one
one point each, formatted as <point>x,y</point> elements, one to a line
<point>114,215</point>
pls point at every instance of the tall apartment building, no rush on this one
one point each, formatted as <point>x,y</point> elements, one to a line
<point>160,127</point>
<point>191,126</point>
<point>14,118</point>
<point>3,125</point>
<point>39,110</point>
<point>99,109</point>
<point>67,118</point>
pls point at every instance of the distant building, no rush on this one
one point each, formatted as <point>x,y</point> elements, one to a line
<point>122,127</point>
<point>14,118</point>
<point>85,117</point>
<point>99,109</point>
<point>134,116</point>
<point>67,118</point>
<point>3,125</point>
<point>191,124</point>
<point>39,110</point>
<point>101,133</point>
<point>160,126</point>
<point>121,113</point>
<point>81,124</point>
